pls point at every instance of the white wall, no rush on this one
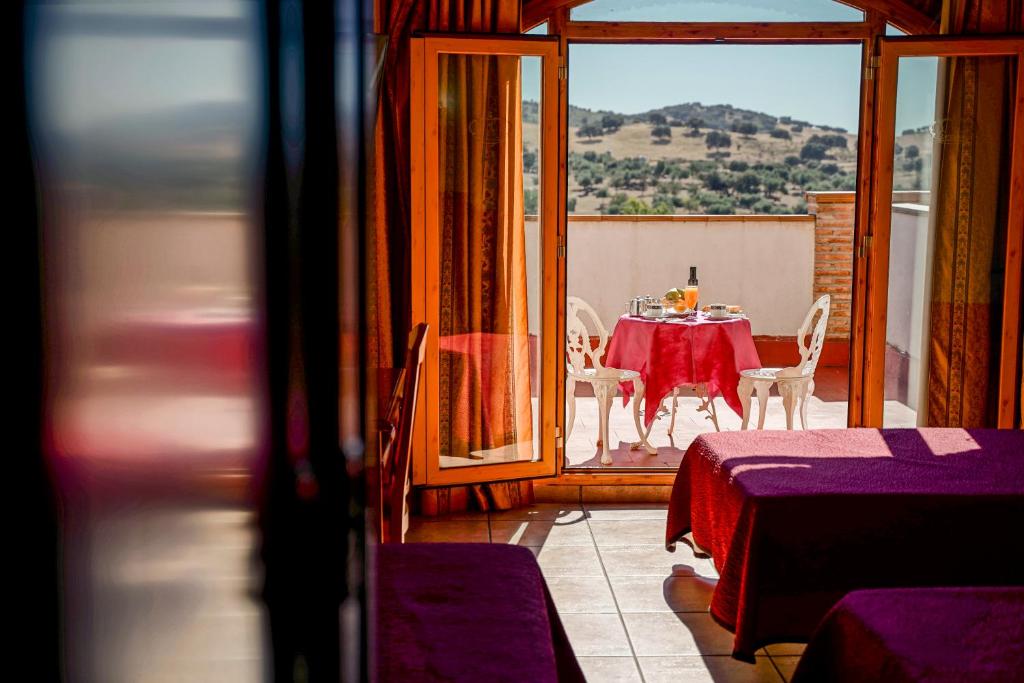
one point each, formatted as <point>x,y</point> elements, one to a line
<point>905,313</point>
<point>766,266</point>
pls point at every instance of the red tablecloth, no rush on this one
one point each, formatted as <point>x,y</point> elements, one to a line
<point>795,520</point>
<point>466,612</point>
<point>919,634</point>
<point>672,353</point>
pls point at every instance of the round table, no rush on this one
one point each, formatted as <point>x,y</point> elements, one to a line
<point>695,351</point>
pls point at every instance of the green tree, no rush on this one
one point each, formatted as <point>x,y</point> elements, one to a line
<point>813,150</point>
<point>748,183</point>
<point>529,160</point>
<point>745,128</point>
<point>657,118</point>
<point>530,202</point>
<point>661,134</point>
<point>912,152</point>
<point>612,122</point>
<point>716,140</point>
<point>780,133</point>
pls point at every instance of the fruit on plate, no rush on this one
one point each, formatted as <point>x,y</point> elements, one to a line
<point>735,309</point>
<point>673,295</point>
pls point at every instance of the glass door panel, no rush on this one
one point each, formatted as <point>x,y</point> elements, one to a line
<point>488,258</point>
<point>942,211</point>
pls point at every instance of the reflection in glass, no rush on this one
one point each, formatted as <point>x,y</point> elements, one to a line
<point>944,254</point>
<point>489,142</point>
<point>146,129</point>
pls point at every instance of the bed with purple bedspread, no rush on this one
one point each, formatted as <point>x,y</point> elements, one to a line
<point>466,612</point>
<point>795,520</point>
<point>919,634</point>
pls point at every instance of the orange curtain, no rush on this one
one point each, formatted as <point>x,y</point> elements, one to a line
<point>484,360</point>
<point>967,274</point>
<point>484,319</point>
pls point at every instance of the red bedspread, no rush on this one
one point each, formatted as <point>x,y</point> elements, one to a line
<point>795,520</point>
<point>920,634</point>
<point>466,612</point>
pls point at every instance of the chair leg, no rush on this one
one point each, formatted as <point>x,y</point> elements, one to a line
<point>675,405</point>
<point>804,397</point>
<point>746,388</point>
<point>570,419</point>
<point>604,392</point>
<point>638,396</point>
<point>789,392</point>
<point>763,389</point>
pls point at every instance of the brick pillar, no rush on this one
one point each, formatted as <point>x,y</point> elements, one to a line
<point>833,255</point>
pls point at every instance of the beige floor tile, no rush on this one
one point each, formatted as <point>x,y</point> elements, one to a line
<point>563,512</point>
<point>691,669</point>
<point>448,532</point>
<point>596,635</point>
<point>654,560</point>
<point>657,594</point>
<point>610,669</point>
<point>581,594</point>
<point>668,634</point>
<point>542,532</point>
<point>600,512</point>
<point>785,649</point>
<point>786,664</point>
<point>628,532</point>
<point>571,560</point>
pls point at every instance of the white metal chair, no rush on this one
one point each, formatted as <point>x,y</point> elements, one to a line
<point>604,380</point>
<point>795,383</point>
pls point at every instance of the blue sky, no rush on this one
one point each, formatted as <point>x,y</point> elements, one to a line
<point>820,84</point>
<point>816,83</point>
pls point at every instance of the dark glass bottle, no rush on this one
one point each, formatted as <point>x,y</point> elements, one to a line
<point>693,277</point>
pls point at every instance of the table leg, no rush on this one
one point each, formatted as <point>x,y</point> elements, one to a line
<point>638,396</point>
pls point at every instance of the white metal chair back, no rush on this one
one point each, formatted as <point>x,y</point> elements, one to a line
<point>577,335</point>
<point>811,351</point>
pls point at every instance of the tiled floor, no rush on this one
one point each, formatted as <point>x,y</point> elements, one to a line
<point>633,611</point>
<point>826,409</point>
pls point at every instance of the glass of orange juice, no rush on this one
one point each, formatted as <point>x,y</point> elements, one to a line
<point>690,296</point>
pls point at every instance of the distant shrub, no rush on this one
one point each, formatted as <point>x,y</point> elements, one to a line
<point>813,150</point>
<point>912,152</point>
<point>717,140</point>
<point>748,183</point>
<point>829,169</point>
<point>829,141</point>
<point>796,128</point>
<point>793,160</point>
<point>745,128</point>
<point>780,133</point>
<point>661,133</point>
<point>738,166</point>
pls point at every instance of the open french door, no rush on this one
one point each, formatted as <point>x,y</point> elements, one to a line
<point>484,114</point>
<point>920,134</point>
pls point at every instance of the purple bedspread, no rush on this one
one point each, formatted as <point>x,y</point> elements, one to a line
<point>466,612</point>
<point>920,634</point>
<point>796,520</point>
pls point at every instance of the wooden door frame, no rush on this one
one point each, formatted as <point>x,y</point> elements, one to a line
<point>866,33</point>
<point>424,243</point>
<point>890,51</point>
